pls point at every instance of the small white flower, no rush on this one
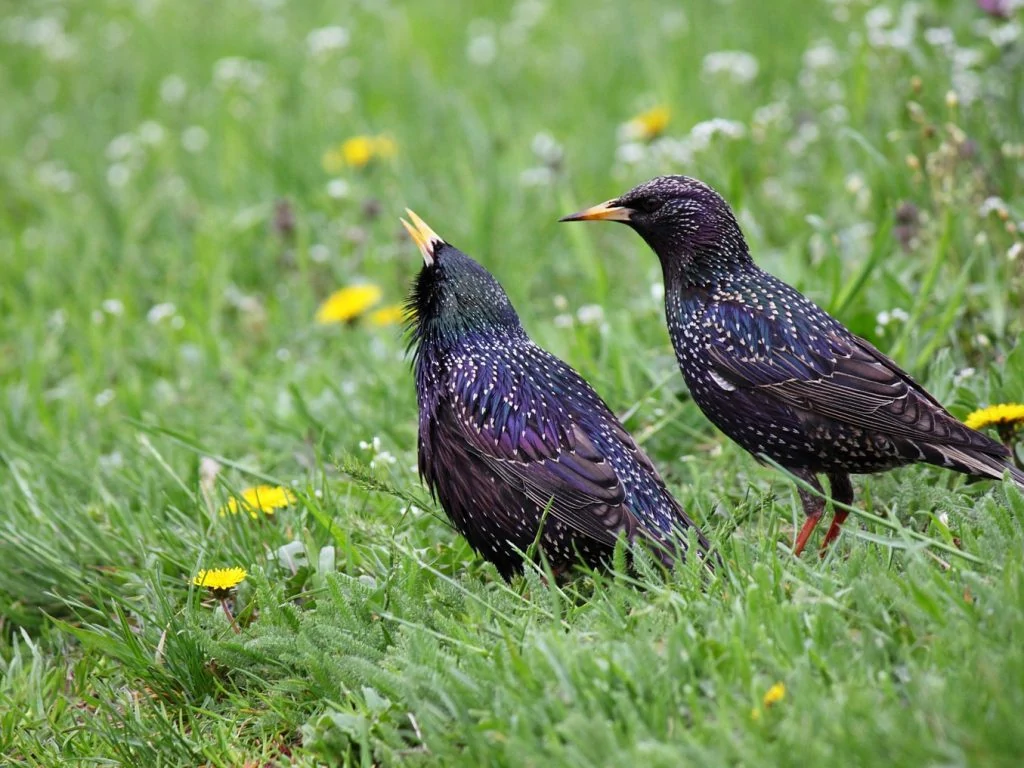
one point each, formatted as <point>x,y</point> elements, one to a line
<point>631,153</point>
<point>337,189</point>
<point>326,40</point>
<point>821,55</point>
<point>160,312</point>
<point>112,460</point>
<point>194,139</point>
<point>173,89</point>
<point>563,321</point>
<point>1005,34</point>
<point>963,375</point>
<point>114,307</point>
<point>319,253</point>
<point>152,133</point>
<point>561,303</point>
<point>482,50</point>
<point>383,458</point>
<point>740,66</point>
<point>590,314</point>
<point>236,70</point>
<point>878,18</point>
<point>104,398</point>
<point>118,175</point>
<point>122,146</point>
<point>658,291</point>
<point>704,132</point>
<point>996,204</point>
<point>939,37</point>
<point>546,148</point>
<point>1015,251</point>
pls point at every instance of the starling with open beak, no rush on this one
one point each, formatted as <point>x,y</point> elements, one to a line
<point>776,373</point>
<point>512,439</point>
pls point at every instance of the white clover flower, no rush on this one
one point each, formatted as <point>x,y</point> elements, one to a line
<point>237,70</point>
<point>990,204</point>
<point>55,176</point>
<point>702,134</point>
<point>821,55</point>
<point>118,175</point>
<point>319,253</point>
<point>590,314</point>
<point>104,398</point>
<point>152,133</point>
<point>122,146</point>
<point>194,139</point>
<point>482,50</point>
<point>631,153</point>
<point>159,312</point>
<point>564,320</point>
<point>546,148</point>
<point>337,189</point>
<point>113,307</point>
<point>326,40</point>
<point>739,66</point>
<point>173,89</point>
<point>940,37</point>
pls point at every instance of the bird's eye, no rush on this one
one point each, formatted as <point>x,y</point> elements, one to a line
<point>645,205</point>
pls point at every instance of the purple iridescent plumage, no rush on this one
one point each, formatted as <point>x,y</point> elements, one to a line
<point>776,373</point>
<point>510,435</point>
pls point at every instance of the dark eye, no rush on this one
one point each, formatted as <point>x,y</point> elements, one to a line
<point>646,205</point>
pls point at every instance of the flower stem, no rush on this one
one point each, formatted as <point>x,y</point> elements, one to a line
<point>230,615</point>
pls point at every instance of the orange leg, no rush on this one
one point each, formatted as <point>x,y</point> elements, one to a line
<point>842,492</point>
<point>805,533</point>
<point>813,506</point>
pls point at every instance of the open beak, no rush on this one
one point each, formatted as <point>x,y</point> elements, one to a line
<point>609,210</point>
<point>426,239</point>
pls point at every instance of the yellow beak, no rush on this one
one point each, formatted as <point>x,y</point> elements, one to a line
<point>606,211</point>
<point>425,238</point>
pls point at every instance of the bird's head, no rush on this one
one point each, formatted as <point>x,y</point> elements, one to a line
<point>453,295</point>
<point>688,225</point>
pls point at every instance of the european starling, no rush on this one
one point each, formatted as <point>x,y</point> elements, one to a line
<point>510,437</point>
<point>776,373</point>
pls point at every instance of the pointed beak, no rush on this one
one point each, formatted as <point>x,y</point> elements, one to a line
<point>426,239</point>
<point>609,210</point>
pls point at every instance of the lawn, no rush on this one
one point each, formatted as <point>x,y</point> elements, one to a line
<point>177,202</point>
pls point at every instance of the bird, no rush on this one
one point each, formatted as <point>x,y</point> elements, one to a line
<point>775,372</point>
<point>515,445</point>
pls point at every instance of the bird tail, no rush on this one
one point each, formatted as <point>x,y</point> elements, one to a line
<point>974,462</point>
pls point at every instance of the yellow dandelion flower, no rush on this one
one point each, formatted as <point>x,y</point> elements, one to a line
<point>260,498</point>
<point>1002,415</point>
<point>774,695</point>
<point>390,315</point>
<point>358,151</point>
<point>220,580</point>
<point>348,303</point>
<point>647,125</point>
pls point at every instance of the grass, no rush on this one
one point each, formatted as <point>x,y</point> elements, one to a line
<point>148,145</point>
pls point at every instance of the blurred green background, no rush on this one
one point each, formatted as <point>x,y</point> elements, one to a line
<point>177,199</point>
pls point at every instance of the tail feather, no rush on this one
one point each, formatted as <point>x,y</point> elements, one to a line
<point>972,462</point>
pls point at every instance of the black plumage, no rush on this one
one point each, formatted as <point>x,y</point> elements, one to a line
<point>510,436</point>
<point>778,374</point>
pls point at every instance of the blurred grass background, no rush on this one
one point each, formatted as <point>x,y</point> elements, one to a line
<point>169,225</point>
